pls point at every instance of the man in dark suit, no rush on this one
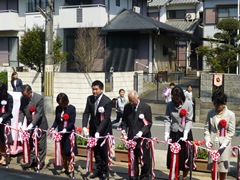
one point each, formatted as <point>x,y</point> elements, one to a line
<point>137,127</point>
<point>99,126</point>
<point>32,107</point>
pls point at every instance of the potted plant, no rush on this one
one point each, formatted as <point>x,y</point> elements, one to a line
<point>81,143</point>
<point>121,152</point>
<point>202,157</point>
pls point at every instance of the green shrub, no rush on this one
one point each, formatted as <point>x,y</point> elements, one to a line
<point>120,145</point>
<point>3,78</point>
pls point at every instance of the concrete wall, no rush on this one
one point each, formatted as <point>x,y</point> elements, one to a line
<point>231,88</point>
<point>78,85</point>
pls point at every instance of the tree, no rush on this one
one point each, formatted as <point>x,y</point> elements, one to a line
<point>88,47</point>
<point>221,52</point>
<point>32,49</point>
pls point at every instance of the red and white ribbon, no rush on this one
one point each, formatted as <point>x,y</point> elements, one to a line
<point>215,157</point>
<point>91,143</point>
<point>188,146</point>
<point>3,109</point>
<point>110,140</point>
<point>58,154</point>
<point>175,149</point>
<point>72,145</point>
<point>6,133</point>
<point>183,121</point>
<point>145,121</point>
<point>25,145</point>
<point>36,134</point>
<point>130,145</point>
<point>238,159</point>
<point>222,132</point>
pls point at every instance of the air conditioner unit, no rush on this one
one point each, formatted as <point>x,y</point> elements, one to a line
<point>136,9</point>
<point>190,16</point>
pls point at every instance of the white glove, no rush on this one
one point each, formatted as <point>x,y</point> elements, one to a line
<point>85,132</point>
<point>124,134</point>
<point>97,135</point>
<point>64,130</point>
<point>19,125</point>
<point>1,119</point>
<point>30,126</point>
<point>208,144</point>
<point>166,136</point>
<point>185,136</point>
<point>139,134</point>
<point>222,146</point>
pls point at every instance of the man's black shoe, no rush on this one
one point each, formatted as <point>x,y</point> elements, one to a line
<point>95,175</point>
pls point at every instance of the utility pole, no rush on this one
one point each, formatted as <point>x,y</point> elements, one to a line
<point>48,69</point>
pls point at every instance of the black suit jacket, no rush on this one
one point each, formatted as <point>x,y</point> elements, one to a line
<point>96,125</point>
<point>131,122</point>
<point>71,111</point>
<point>18,87</point>
<point>9,106</point>
<point>40,119</point>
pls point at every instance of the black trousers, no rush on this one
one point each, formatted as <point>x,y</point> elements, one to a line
<point>42,148</point>
<point>146,169</point>
<point>101,157</point>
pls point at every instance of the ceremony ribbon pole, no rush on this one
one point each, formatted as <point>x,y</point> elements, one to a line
<point>175,149</point>
<point>215,157</point>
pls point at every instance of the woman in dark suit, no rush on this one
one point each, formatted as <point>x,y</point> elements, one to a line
<point>6,107</point>
<point>65,116</point>
<point>16,82</point>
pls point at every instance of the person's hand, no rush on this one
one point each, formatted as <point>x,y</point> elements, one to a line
<point>50,132</point>
<point>85,132</point>
<point>124,134</point>
<point>64,131</point>
<point>97,135</point>
<point>139,134</point>
<point>166,136</point>
<point>208,144</point>
<point>223,146</point>
<point>1,119</point>
<point>185,136</point>
<point>30,126</point>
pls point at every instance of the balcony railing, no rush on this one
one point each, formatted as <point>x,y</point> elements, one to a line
<point>94,15</point>
<point>9,20</point>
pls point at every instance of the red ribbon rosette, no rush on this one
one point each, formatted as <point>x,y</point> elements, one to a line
<point>65,118</point>
<point>32,109</point>
<point>91,143</point>
<point>175,149</point>
<point>183,113</point>
<point>215,157</point>
<point>222,124</point>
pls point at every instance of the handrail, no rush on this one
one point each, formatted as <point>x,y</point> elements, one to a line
<point>9,10</point>
<point>81,6</point>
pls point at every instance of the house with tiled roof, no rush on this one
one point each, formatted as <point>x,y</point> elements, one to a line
<point>185,15</point>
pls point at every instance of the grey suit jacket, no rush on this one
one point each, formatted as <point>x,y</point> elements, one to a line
<point>39,119</point>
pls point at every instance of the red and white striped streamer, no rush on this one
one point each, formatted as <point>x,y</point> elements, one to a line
<point>111,141</point>
<point>238,159</point>
<point>58,154</point>
<point>72,145</point>
<point>183,121</point>
<point>25,145</point>
<point>6,133</point>
<point>145,121</point>
<point>91,143</point>
<point>36,134</point>
<point>215,157</point>
<point>130,145</point>
<point>175,149</point>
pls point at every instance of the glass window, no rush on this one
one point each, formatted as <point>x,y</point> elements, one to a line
<point>32,5</point>
<point>117,2</point>
<point>226,12</point>
<point>176,14</point>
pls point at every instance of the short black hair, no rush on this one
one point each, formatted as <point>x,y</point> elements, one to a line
<point>171,84</point>
<point>120,90</point>
<point>98,83</point>
<point>177,91</point>
<point>26,87</point>
<point>219,98</point>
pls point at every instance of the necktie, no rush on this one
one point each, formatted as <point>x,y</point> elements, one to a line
<point>95,105</point>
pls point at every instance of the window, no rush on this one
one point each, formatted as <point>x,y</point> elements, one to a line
<point>226,12</point>
<point>32,5</point>
<point>176,14</point>
<point>117,2</point>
